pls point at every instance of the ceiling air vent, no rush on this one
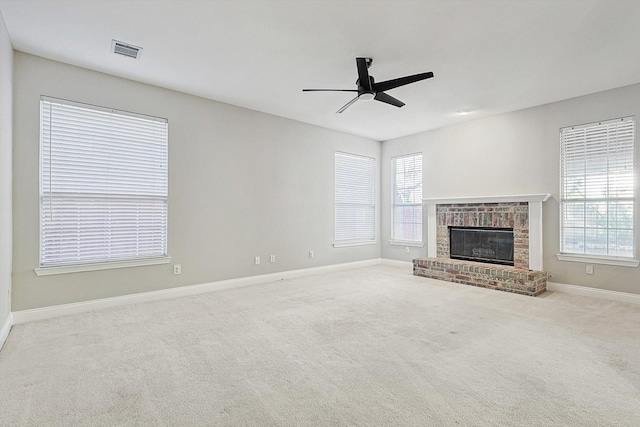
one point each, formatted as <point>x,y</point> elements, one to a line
<point>126,49</point>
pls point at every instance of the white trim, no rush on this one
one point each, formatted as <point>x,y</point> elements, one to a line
<point>432,231</point>
<point>34,314</point>
<point>593,259</point>
<point>4,331</point>
<point>347,244</point>
<point>535,235</point>
<point>64,269</point>
<point>594,292</point>
<point>489,199</point>
<point>397,263</point>
<point>405,243</point>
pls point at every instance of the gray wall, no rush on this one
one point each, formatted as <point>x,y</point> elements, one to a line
<point>6,125</point>
<point>514,153</point>
<point>244,183</point>
<point>241,184</point>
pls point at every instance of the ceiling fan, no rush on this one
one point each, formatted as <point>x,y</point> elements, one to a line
<point>369,90</point>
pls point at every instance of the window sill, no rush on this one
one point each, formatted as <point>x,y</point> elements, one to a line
<point>347,244</point>
<point>65,269</point>
<point>406,243</point>
<point>593,259</point>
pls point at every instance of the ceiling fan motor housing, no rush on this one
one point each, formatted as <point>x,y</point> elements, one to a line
<point>371,90</point>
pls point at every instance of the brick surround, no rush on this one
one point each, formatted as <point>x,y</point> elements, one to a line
<point>506,214</point>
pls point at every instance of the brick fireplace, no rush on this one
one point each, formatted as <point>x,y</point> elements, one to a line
<point>522,213</point>
<point>513,215</point>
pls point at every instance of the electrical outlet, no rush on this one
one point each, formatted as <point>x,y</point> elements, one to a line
<point>589,269</point>
<point>310,254</point>
<point>406,250</point>
<point>257,260</point>
<point>177,269</point>
<point>272,258</point>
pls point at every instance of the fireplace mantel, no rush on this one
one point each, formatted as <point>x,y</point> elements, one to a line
<point>534,202</point>
<point>530,198</point>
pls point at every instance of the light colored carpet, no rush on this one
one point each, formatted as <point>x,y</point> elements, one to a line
<point>374,346</point>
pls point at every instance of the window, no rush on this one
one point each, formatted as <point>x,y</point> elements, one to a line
<point>103,186</point>
<point>354,200</point>
<point>407,199</point>
<point>596,189</point>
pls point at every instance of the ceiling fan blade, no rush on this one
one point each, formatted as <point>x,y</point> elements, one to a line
<point>391,84</point>
<point>347,105</point>
<point>363,73</point>
<point>383,97</point>
<point>329,90</point>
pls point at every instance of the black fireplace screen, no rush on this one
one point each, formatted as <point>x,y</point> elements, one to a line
<point>482,244</point>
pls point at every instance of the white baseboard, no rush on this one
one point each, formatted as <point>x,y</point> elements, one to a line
<point>23,316</point>
<point>594,292</point>
<point>397,263</point>
<point>4,331</point>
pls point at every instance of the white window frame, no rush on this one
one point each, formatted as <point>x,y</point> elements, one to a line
<point>394,204</point>
<point>572,137</point>
<point>83,181</point>
<point>350,201</point>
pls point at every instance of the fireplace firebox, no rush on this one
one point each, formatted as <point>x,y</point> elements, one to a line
<point>481,244</point>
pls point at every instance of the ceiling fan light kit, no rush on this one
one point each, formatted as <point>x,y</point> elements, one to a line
<point>369,90</point>
<point>366,97</point>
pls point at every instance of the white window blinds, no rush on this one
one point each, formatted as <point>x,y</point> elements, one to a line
<point>354,198</point>
<point>103,185</point>
<point>597,189</point>
<point>407,198</point>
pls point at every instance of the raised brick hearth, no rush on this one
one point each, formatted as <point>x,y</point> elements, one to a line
<point>499,277</point>
<point>521,213</point>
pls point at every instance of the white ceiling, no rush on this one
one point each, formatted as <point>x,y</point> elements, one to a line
<point>487,56</point>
